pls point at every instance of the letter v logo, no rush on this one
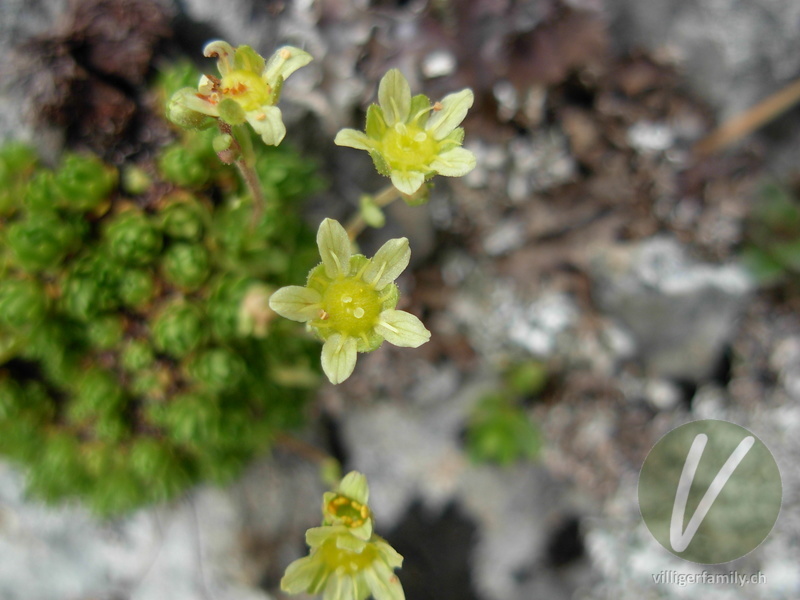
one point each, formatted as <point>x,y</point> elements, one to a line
<point>680,540</point>
<point>710,491</point>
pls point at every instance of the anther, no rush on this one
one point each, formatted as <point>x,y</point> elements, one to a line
<point>437,106</point>
<point>286,54</point>
<point>347,299</point>
<point>358,312</point>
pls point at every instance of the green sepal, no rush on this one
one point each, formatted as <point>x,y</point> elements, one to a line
<point>381,165</point>
<point>421,109</point>
<point>231,112</point>
<point>276,90</point>
<point>376,124</point>
<point>247,59</point>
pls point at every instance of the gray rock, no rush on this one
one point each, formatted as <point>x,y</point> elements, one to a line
<point>411,452</point>
<point>195,549</point>
<point>680,312</point>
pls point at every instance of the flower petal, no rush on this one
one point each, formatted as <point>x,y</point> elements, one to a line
<point>339,357</point>
<point>455,162</point>
<point>354,486</point>
<point>454,109</point>
<point>407,182</point>
<point>334,248</point>
<point>306,574</point>
<point>224,53</point>
<point>350,543</point>
<point>296,303</point>
<point>389,555</point>
<point>267,122</point>
<point>402,329</point>
<point>285,61</point>
<point>383,583</point>
<point>387,264</point>
<point>352,138</point>
<point>394,97</point>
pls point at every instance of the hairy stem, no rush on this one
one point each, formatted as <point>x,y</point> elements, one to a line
<point>244,159</point>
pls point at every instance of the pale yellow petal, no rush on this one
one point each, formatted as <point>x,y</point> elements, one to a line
<point>352,138</point>
<point>455,162</point>
<point>402,329</point>
<point>339,357</point>
<point>394,97</point>
<point>387,264</point>
<point>296,303</point>
<point>334,248</point>
<point>407,182</point>
<point>454,108</point>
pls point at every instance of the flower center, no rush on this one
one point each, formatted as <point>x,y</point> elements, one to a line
<point>351,562</point>
<point>247,88</point>
<point>347,512</point>
<point>407,147</point>
<point>351,306</point>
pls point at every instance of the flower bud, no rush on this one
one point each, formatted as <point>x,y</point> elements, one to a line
<point>181,113</point>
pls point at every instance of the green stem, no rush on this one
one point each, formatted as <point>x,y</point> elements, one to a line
<point>384,198</point>
<point>242,149</point>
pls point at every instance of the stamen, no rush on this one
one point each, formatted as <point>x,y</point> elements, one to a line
<point>358,313</point>
<point>389,327</point>
<point>261,116</point>
<point>347,299</point>
<point>286,54</point>
<point>380,274</point>
<point>437,106</point>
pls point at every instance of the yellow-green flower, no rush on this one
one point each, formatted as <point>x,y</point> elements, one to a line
<point>349,301</point>
<point>410,139</point>
<point>347,506</point>
<point>345,562</point>
<point>248,90</point>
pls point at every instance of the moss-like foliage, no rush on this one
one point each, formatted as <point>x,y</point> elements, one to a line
<point>138,354</point>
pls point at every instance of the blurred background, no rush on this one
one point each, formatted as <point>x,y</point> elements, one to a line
<point>624,259</point>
